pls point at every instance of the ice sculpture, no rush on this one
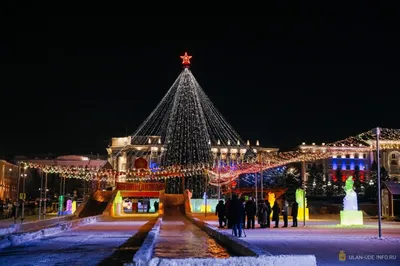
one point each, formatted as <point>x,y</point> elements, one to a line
<point>300,198</point>
<point>206,207</point>
<point>350,201</point>
<point>69,207</point>
<point>350,214</point>
<point>117,206</point>
<point>301,201</point>
<point>271,198</point>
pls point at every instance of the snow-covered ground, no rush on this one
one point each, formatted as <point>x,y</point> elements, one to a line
<point>324,239</point>
<point>108,243</point>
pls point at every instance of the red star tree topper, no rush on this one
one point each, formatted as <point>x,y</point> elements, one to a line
<point>186,59</point>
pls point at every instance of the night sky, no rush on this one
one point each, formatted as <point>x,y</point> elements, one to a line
<point>69,84</point>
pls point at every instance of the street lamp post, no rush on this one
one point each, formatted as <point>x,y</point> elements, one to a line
<point>377,132</point>
<point>45,195</point>
<point>304,176</point>
<point>17,203</point>
<point>23,195</point>
<point>41,194</point>
<point>262,179</point>
<point>255,182</point>
<point>219,177</point>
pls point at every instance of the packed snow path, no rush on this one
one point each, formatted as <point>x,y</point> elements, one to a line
<point>325,240</point>
<point>111,242</point>
<point>180,238</point>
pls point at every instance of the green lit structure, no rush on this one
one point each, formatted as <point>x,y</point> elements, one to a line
<point>350,214</point>
<point>302,201</point>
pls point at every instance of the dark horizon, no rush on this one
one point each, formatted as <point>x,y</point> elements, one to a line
<point>71,84</point>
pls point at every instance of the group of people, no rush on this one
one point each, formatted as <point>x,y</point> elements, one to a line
<point>234,212</point>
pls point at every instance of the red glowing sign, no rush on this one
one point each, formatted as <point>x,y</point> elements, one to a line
<point>186,59</point>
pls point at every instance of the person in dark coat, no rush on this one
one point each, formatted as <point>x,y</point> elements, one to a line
<point>156,206</point>
<point>236,211</point>
<point>275,214</point>
<point>243,201</point>
<point>285,209</point>
<point>148,206</point>
<point>250,209</point>
<point>267,213</point>
<point>220,211</point>
<point>14,211</point>
<point>227,205</point>
<point>295,209</point>
<point>262,214</point>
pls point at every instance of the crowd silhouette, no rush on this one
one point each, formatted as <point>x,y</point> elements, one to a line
<point>235,212</point>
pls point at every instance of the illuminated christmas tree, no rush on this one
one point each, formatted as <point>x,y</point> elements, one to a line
<point>187,125</point>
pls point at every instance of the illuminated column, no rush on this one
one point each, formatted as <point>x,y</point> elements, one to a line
<point>303,172</point>
<point>385,159</point>
<point>371,158</point>
<point>121,167</point>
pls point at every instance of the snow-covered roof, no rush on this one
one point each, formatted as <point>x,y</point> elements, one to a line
<point>365,139</point>
<point>393,187</point>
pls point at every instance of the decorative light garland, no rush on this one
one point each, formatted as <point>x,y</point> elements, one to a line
<point>226,174</point>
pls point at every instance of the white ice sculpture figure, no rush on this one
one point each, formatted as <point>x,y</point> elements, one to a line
<point>69,206</point>
<point>205,197</point>
<point>350,200</point>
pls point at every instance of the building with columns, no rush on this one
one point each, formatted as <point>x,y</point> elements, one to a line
<point>123,152</point>
<point>361,152</point>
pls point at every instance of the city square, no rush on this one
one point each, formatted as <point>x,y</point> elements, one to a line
<point>185,188</point>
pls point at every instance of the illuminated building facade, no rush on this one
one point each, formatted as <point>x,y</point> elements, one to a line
<point>361,155</point>
<point>78,161</point>
<point>8,181</point>
<point>123,152</point>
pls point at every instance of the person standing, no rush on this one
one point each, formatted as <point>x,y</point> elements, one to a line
<point>250,213</point>
<point>156,206</point>
<point>275,214</point>
<point>267,213</point>
<point>243,215</point>
<point>220,211</point>
<point>14,211</point>
<point>236,211</point>
<point>263,218</point>
<point>295,209</point>
<point>285,207</point>
<point>148,206</point>
<point>227,213</point>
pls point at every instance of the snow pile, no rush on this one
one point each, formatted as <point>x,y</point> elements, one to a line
<point>145,252</point>
<point>9,230</point>
<point>282,260</point>
<point>17,239</point>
